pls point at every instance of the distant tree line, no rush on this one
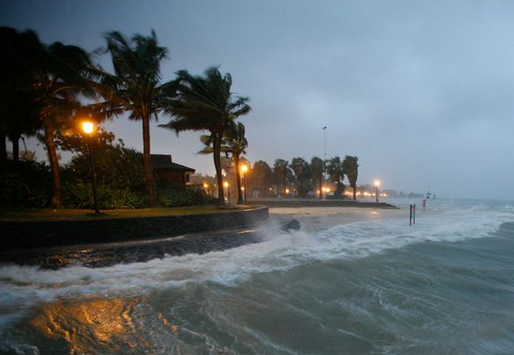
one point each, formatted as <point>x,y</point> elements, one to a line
<point>299,177</point>
<point>48,89</point>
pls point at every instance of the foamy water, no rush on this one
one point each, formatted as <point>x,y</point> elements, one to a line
<point>208,301</point>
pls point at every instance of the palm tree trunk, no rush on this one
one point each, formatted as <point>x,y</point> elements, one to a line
<point>354,187</point>
<point>216,151</point>
<point>284,183</point>
<point>146,161</point>
<point>15,148</point>
<point>3,149</point>
<point>238,178</point>
<point>54,165</point>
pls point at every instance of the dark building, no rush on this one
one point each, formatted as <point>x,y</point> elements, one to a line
<point>166,169</point>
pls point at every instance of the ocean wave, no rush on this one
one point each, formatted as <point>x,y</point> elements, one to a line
<point>23,286</point>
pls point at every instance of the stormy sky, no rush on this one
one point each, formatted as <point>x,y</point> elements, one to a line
<point>421,91</point>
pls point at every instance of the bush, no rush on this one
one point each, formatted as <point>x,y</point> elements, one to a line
<point>184,197</point>
<point>25,184</point>
<point>80,195</point>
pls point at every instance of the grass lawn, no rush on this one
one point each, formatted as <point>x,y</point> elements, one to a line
<point>28,215</point>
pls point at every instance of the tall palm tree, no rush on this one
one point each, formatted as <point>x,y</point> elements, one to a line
<point>336,173</point>
<point>63,73</point>
<point>351,169</point>
<point>233,142</point>
<point>317,169</point>
<point>136,86</point>
<point>206,103</point>
<point>237,144</point>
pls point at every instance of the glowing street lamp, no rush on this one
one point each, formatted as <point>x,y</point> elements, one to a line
<point>377,184</point>
<point>89,129</point>
<point>244,169</point>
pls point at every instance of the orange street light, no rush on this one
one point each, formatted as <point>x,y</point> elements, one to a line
<point>244,169</point>
<point>89,128</point>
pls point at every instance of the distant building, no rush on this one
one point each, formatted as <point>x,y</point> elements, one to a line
<point>163,165</point>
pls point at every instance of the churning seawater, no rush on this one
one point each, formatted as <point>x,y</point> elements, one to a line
<point>443,286</point>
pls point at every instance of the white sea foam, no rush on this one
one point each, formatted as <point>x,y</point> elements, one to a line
<point>21,286</point>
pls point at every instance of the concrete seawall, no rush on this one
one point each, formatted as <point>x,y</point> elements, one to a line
<point>21,235</point>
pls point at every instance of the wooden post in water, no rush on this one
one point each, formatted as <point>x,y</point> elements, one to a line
<point>412,214</point>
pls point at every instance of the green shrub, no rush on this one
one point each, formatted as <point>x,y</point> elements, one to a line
<point>184,197</point>
<point>80,195</point>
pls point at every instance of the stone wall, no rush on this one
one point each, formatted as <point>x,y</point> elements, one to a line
<point>22,235</point>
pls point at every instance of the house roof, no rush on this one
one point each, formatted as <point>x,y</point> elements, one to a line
<point>163,161</point>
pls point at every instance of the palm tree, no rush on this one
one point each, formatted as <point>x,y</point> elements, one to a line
<point>206,103</point>
<point>136,86</point>
<point>336,173</point>
<point>18,113</point>
<point>237,144</point>
<point>301,170</point>
<point>282,171</point>
<point>61,74</point>
<point>351,169</point>
<point>233,142</point>
<point>317,169</point>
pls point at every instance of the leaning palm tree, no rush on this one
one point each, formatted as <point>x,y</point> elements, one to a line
<point>136,86</point>
<point>351,169</point>
<point>206,103</point>
<point>237,144</point>
<point>233,142</point>
<point>63,73</point>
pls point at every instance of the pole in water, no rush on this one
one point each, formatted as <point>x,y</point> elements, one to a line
<point>412,214</point>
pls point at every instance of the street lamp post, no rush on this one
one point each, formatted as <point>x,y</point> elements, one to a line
<point>377,184</point>
<point>89,129</point>
<point>324,195</point>
<point>244,169</point>
<point>228,191</point>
